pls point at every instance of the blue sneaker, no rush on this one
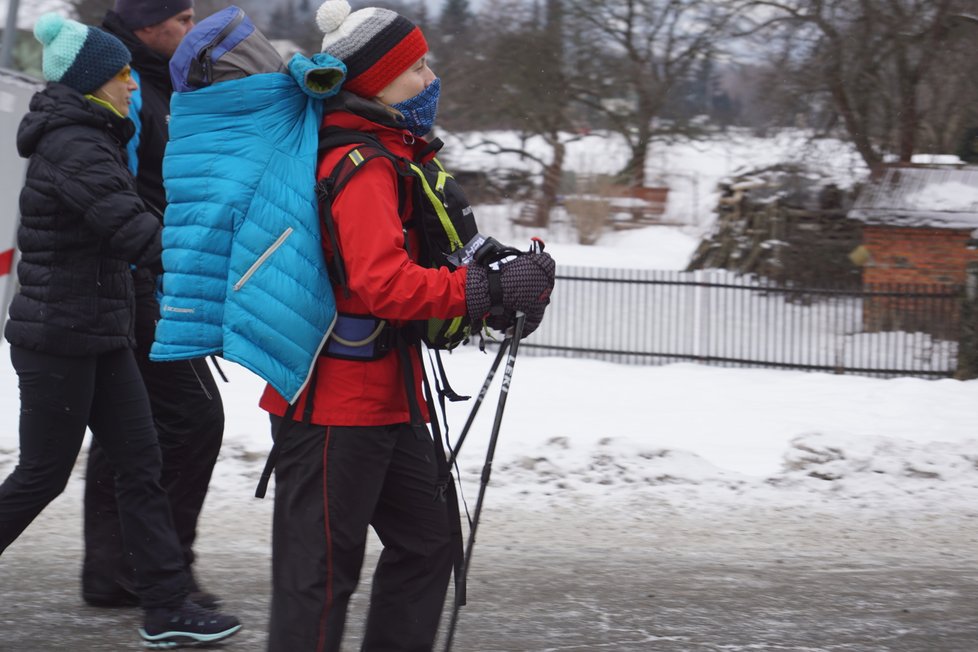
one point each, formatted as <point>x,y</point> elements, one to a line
<point>188,624</point>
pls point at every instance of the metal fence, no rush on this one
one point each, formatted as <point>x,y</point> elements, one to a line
<point>717,317</point>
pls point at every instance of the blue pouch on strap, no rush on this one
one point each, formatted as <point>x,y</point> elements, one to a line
<point>359,337</point>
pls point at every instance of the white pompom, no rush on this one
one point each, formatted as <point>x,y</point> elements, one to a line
<point>331,15</point>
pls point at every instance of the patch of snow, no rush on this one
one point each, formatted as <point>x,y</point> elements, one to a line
<point>951,196</point>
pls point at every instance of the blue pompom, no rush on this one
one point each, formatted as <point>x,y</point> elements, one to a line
<point>48,26</point>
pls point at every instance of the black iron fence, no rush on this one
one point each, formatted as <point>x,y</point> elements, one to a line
<point>716,317</point>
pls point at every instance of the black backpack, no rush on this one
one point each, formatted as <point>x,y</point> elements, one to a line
<point>447,230</point>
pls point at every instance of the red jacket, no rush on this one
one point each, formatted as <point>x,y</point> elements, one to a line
<point>383,281</point>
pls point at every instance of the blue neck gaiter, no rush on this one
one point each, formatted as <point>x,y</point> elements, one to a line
<point>419,112</point>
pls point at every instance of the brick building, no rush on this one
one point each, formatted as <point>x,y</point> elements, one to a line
<point>920,227</point>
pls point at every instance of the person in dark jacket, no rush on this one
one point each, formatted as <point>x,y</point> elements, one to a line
<point>350,453</point>
<point>71,323</point>
<point>187,406</point>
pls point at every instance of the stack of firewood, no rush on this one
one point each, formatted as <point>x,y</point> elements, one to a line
<point>784,223</point>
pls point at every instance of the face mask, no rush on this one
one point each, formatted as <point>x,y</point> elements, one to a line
<point>419,112</point>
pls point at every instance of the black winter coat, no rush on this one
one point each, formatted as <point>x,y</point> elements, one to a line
<point>156,88</point>
<point>82,225</point>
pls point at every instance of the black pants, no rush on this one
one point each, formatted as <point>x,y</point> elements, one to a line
<point>330,485</point>
<point>189,418</point>
<point>61,396</point>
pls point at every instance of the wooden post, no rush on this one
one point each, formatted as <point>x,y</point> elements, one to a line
<point>968,341</point>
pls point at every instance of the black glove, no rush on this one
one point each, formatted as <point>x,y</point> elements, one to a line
<point>523,283</point>
<point>534,315</point>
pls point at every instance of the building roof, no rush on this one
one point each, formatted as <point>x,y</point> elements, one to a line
<point>940,198</point>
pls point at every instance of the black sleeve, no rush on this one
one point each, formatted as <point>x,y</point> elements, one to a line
<point>98,186</point>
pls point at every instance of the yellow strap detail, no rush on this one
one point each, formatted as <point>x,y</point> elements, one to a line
<point>453,239</point>
<point>356,157</point>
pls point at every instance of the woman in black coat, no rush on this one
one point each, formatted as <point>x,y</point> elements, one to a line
<point>71,324</point>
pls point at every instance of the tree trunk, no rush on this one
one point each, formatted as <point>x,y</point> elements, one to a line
<point>858,134</point>
<point>633,174</point>
<point>552,175</point>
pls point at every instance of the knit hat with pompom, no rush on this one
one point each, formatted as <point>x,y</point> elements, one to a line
<point>76,55</point>
<point>376,45</point>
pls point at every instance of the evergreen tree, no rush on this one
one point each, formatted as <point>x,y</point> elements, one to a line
<point>455,20</point>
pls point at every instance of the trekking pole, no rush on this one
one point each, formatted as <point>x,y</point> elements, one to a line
<point>487,468</point>
<point>478,401</point>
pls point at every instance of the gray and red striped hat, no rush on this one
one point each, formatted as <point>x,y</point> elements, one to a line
<point>376,45</point>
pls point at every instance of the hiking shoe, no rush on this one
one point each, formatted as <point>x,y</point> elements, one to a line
<point>205,599</point>
<point>188,624</point>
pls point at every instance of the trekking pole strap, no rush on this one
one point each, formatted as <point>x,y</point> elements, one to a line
<point>217,367</point>
<point>266,473</point>
<point>445,488</point>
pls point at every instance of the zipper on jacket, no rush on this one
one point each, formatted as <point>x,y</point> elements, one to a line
<point>261,259</point>
<point>201,66</point>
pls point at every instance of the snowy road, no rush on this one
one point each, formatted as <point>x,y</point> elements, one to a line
<point>730,576</point>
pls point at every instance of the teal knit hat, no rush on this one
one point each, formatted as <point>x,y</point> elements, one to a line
<point>78,56</point>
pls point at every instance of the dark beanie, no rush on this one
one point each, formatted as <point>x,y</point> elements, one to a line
<point>76,55</point>
<point>136,14</point>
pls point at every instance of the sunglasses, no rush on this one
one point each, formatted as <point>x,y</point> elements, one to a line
<point>124,75</point>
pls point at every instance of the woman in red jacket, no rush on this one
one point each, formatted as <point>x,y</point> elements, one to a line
<point>348,456</point>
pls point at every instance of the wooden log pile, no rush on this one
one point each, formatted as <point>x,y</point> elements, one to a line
<point>785,223</point>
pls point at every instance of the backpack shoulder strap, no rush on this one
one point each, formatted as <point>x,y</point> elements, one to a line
<point>365,148</point>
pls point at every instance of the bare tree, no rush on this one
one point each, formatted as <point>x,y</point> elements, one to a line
<point>949,95</point>
<point>885,65</point>
<point>514,77</point>
<point>632,56</point>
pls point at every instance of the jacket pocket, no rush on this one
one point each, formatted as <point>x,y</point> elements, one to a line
<point>261,259</point>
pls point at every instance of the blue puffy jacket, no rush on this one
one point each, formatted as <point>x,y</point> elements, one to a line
<point>244,274</point>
